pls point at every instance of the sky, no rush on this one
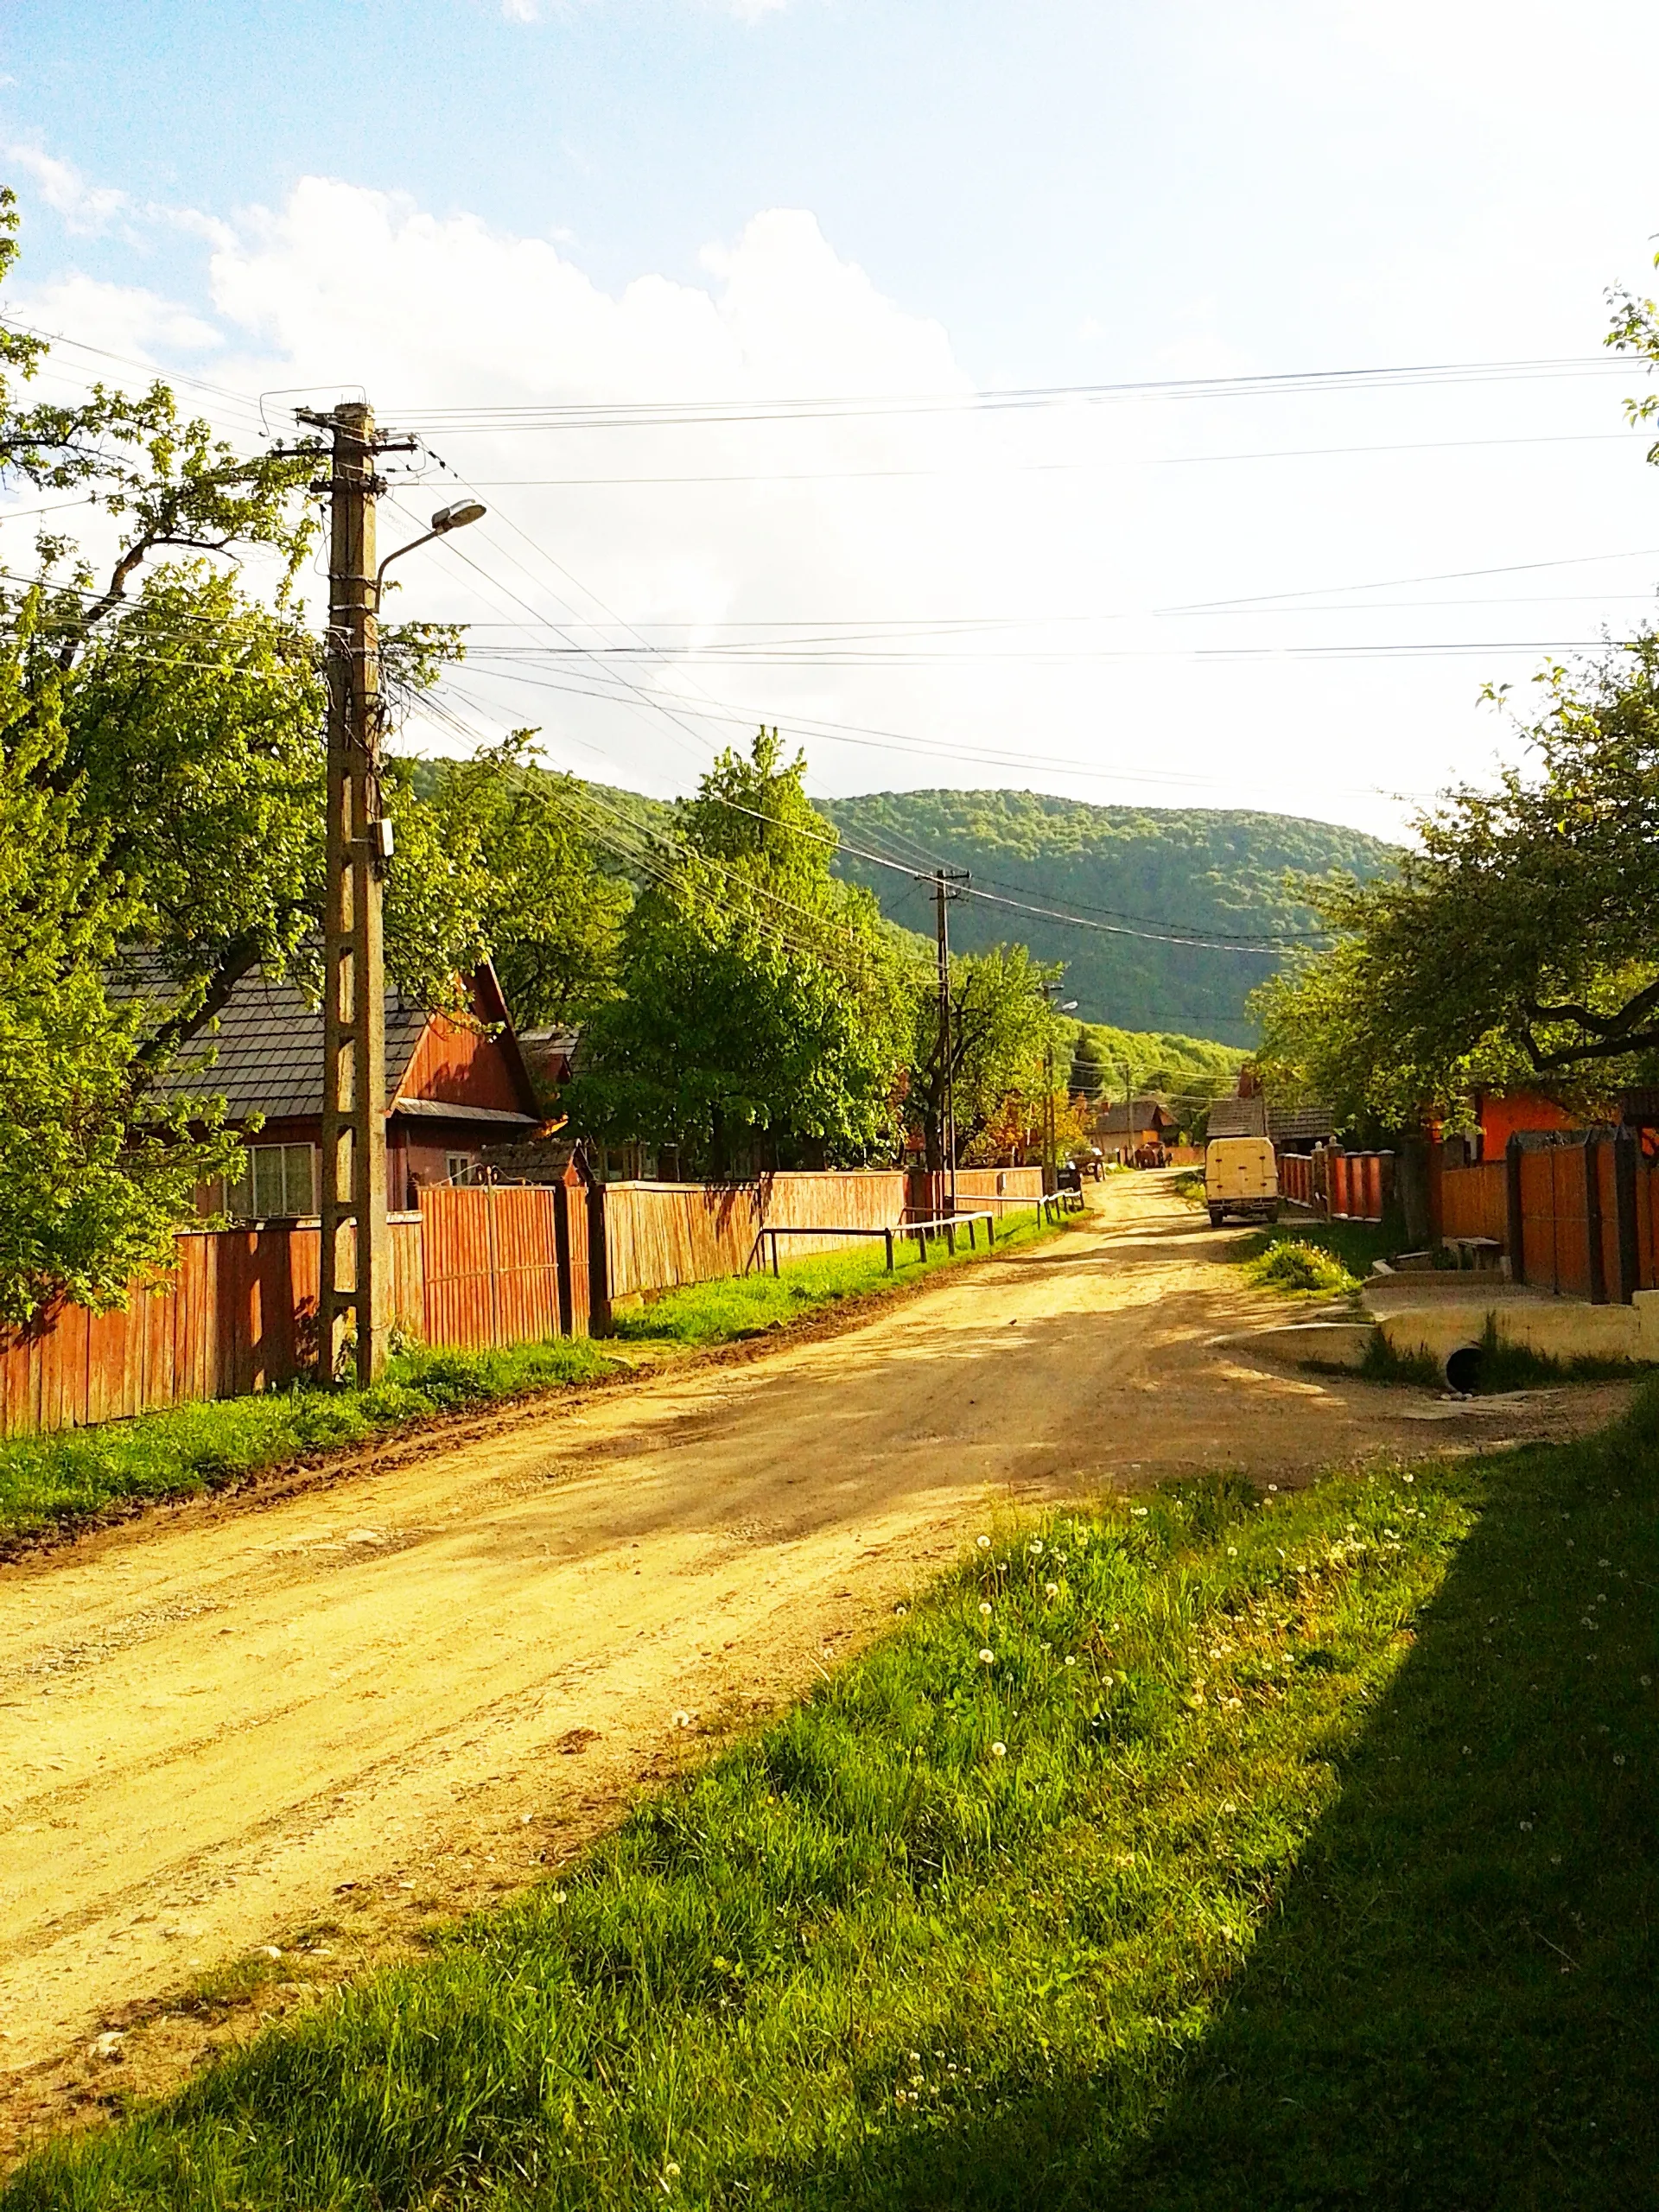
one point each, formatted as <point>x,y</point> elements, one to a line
<point>927,354</point>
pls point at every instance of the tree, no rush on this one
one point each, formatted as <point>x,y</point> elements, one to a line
<point>761,1009</point>
<point>551,917</point>
<point>92,1181</point>
<point>1000,1030</point>
<point>1517,942</point>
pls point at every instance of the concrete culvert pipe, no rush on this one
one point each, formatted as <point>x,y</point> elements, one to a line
<point>1463,1368</point>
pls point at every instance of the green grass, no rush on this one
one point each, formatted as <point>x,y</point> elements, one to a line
<point>1316,1868</point>
<point>75,1475</point>
<point>1298,1268</point>
<point>747,1305</point>
<point>1354,1244</point>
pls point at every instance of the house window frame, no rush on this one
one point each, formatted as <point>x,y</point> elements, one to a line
<point>287,1173</point>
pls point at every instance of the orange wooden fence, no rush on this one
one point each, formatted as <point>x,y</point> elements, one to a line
<point>510,1263</point>
<point>1474,1201</point>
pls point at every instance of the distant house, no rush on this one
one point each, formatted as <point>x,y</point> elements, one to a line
<point>1135,1125</point>
<point>1292,1128</point>
<point>451,1091</point>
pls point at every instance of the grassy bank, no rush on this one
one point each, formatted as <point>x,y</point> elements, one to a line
<point>76,1475</point>
<point>747,1305</point>
<point>1210,1851</point>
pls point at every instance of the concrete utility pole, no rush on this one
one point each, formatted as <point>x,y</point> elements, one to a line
<point>354,1274</point>
<point>943,880</point>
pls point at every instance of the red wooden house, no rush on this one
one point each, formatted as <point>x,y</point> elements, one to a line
<point>452,1090</point>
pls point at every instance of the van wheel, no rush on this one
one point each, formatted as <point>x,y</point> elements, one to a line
<point>1217,1214</point>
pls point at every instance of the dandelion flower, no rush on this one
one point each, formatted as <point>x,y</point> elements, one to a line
<point>985,1608</point>
<point>671,2171</point>
<point>1232,1551</point>
<point>558,1897</point>
<point>1069,1661</point>
<point>987,1655</point>
<point>1052,1589</point>
<point>984,1543</point>
<point>682,1720</point>
<point>999,1751</point>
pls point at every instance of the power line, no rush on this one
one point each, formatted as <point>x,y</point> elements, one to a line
<point>594,415</point>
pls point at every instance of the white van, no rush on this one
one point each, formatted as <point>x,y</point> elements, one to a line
<point>1240,1177</point>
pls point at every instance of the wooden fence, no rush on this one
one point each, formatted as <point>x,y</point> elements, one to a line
<point>1474,1202</point>
<point>661,1235</point>
<point>1360,1184</point>
<point>510,1263</point>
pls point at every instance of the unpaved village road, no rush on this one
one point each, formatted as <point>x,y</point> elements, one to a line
<point>446,1675</point>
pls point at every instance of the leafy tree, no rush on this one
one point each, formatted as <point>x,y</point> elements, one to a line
<point>92,1180</point>
<point>552,917</point>
<point>762,1005</point>
<point>1001,1027</point>
<point>1517,943</point>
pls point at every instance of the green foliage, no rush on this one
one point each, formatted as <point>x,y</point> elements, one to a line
<point>1292,1265</point>
<point>551,914</point>
<point>55,1481</point>
<point>763,1002</point>
<point>1001,1030</point>
<point>1308,1843</point>
<point>1216,872</point>
<point>1189,1072</point>
<point>1515,944</point>
<point>1352,1245</point>
<point>91,1182</point>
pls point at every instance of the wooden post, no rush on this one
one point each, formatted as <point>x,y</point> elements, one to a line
<point>1512,1197</point>
<point>887,1233</point>
<point>1595,1259</point>
<point>1629,1241</point>
<point>353,1193</point>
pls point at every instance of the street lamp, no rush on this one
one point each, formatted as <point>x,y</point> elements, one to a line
<point>444,520</point>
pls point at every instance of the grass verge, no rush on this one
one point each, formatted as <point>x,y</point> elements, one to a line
<point>75,1475</point>
<point>1352,1244</point>
<point>1295,1854</point>
<point>748,1306</point>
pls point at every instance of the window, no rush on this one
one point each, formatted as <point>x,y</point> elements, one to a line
<point>277,1179</point>
<point>460,1167</point>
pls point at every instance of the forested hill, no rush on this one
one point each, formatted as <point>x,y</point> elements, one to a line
<point>1138,867</point>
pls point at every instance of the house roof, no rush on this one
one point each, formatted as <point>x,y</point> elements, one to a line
<point>1144,1113</point>
<point>1254,1117</point>
<point>1238,1117</point>
<point>264,1053</point>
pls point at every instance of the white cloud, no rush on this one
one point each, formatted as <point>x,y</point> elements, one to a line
<point>1055,534</point>
<point>84,208</point>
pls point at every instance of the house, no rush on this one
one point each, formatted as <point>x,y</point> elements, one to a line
<point>451,1091</point>
<point>1143,1124</point>
<point>1292,1128</point>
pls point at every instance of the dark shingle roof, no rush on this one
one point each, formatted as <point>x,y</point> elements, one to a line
<point>265,1055</point>
<point>1115,1122</point>
<point>1238,1117</point>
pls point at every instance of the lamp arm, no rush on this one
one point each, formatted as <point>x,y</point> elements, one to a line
<point>380,573</point>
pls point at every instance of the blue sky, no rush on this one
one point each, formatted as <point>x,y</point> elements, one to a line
<point>595,199</point>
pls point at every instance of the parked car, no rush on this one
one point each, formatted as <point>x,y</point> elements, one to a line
<point>1241,1178</point>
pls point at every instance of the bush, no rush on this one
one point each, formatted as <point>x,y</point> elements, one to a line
<point>1289,1264</point>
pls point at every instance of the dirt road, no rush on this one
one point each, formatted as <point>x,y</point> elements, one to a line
<point>364,1705</point>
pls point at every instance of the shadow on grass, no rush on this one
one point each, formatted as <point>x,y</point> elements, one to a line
<point>1454,2001</point>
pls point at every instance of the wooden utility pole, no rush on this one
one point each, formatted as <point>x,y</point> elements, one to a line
<point>943,880</point>
<point>354,1271</point>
